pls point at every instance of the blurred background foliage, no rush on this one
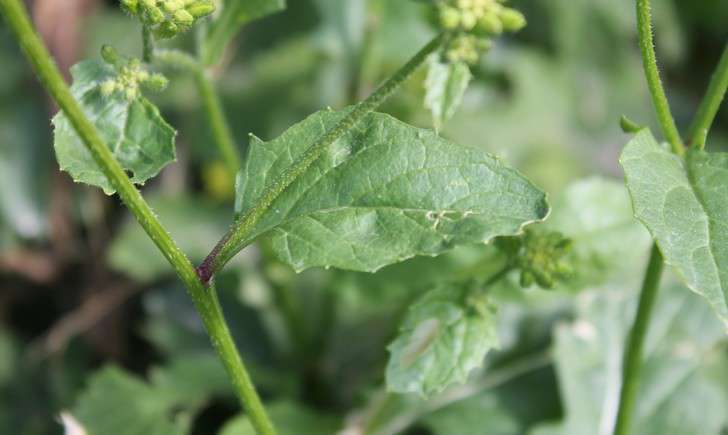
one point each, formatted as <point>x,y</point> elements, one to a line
<point>92,320</point>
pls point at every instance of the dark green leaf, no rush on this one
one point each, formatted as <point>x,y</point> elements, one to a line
<point>383,193</point>
<point>684,205</point>
<point>444,336</point>
<point>141,141</point>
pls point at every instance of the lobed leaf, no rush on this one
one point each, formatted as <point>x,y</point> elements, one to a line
<point>234,14</point>
<point>444,336</point>
<point>445,84</point>
<point>683,205</point>
<point>140,140</point>
<point>382,193</point>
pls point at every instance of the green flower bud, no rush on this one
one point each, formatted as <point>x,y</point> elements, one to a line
<point>131,6</point>
<point>468,20</point>
<point>154,15</point>
<point>183,18</point>
<point>131,93</point>
<point>166,30</point>
<point>490,23</point>
<point>108,87</point>
<point>512,20</point>
<point>110,55</point>
<point>170,6</point>
<point>156,82</point>
<point>449,18</point>
<point>200,9</point>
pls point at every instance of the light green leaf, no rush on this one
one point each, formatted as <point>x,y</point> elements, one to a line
<point>676,393</point>
<point>383,193</point>
<point>234,14</point>
<point>444,336</point>
<point>120,404</point>
<point>289,419</point>
<point>141,141</point>
<point>445,84</point>
<point>684,205</point>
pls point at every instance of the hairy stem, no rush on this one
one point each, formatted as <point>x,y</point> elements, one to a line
<point>206,304</point>
<point>652,74</point>
<point>147,44</point>
<point>237,238</point>
<point>633,356</point>
<point>710,104</point>
<point>218,122</point>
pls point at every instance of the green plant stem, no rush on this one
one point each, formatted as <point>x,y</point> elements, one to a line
<point>652,74</point>
<point>237,238</point>
<point>633,356</point>
<point>206,303</point>
<point>710,104</point>
<point>218,122</point>
<point>211,103</point>
<point>147,44</point>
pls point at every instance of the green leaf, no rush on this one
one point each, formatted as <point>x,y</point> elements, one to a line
<point>289,419</point>
<point>140,140</point>
<point>444,336</point>
<point>676,393</point>
<point>383,193</point>
<point>683,205</point>
<point>120,404</point>
<point>482,414</point>
<point>234,14</point>
<point>445,84</point>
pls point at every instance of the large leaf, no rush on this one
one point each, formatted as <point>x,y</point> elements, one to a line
<point>234,14</point>
<point>676,394</point>
<point>446,83</point>
<point>382,193</point>
<point>684,205</point>
<point>140,140</point>
<point>444,336</point>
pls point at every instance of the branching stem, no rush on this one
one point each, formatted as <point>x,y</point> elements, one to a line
<point>238,236</point>
<point>147,44</point>
<point>205,301</point>
<point>710,104</point>
<point>652,74</point>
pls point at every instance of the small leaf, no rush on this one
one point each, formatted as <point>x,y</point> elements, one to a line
<point>234,14</point>
<point>444,336</point>
<point>383,193</point>
<point>446,84</point>
<point>141,141</point>
<point>683,205</point>
<point>118,403</point>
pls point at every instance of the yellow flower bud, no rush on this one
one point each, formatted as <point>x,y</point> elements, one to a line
<point>490,23</point>
<point>512,20</point>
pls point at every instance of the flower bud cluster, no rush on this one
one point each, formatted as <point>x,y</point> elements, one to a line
<point>167,18</point>
<point>540,256</point>
<point>475,23</point>
<point>130,77</point>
